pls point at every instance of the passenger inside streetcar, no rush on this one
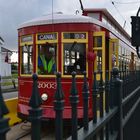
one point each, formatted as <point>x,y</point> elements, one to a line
<point>80,64</point>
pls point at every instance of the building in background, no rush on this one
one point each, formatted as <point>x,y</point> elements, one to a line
<point>14,62</point>
<point>5,60</point>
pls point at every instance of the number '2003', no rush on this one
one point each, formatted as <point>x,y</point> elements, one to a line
<point>48,85</point>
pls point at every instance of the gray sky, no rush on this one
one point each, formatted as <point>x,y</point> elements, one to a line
<point>15,12</point>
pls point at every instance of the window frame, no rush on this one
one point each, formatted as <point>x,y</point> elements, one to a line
<point>22,44</point>
<point>85,41</point>
<point>102,49</point>
<point>50,41</point>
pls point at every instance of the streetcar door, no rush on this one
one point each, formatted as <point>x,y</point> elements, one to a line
<point>99,49</point>
<point>113,53</point>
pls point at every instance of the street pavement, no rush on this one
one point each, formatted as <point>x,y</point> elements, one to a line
<point>22,132</point>
<point>9,95</point>
<point>10,88</point>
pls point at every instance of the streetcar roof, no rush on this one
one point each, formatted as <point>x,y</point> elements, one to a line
<point>57,18</point>
<point>109,17</point>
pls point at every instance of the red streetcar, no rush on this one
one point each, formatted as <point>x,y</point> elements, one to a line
<point>69,43</point>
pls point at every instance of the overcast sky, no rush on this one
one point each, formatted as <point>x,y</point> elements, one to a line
<point>15,12</point>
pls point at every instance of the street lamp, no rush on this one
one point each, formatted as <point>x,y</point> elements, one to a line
<point>136,32</point>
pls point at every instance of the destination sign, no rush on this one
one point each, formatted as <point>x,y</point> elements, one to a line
<point>74,35</point>
<point>47,36</point>
<point>28,38</point>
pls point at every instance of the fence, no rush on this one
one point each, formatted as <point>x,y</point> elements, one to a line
<point>117,102</point>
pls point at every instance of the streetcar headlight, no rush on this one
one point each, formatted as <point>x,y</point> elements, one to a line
<point>44,96</point>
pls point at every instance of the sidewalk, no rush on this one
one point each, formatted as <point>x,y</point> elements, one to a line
<point>18,131</point>
<point>9,88</point>
<point>22,132</point>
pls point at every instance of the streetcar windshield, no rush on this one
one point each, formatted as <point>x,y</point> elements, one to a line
<point>74,58</point>
<point>26,59</point>
<point>46,59</point>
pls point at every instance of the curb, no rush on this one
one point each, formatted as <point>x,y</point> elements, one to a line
<point>9,90</point>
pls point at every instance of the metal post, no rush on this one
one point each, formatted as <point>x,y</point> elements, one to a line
<point>107,102</point>
<point>124,83</point>
<point>85,102</point>
<point>127,83</point>
<point>4,126</point>
<point>101,92</point>
<point>101,88</point>
<point>111,92</point>
<point>111,101</point>
<point>94,94</point>
<point>118,101</point>
<point>74,102</point>
<point>59,107</point>
<point>123,78</point>
<point>35,113</point>
<point>107,92</point>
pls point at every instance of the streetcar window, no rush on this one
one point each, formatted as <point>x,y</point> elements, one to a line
<point>120,50</point>
<point>114,54</point>
<point>97,41</point>
<point>99,61</point>
<point>131,64</point>
<point>26,59</point>
<point>120,63</point>
<point>47,59</point>
<point>74,58</point>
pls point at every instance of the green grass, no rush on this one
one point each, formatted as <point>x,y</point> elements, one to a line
<point>13,76</point>
<point>6,83</point>
<point>7,80</point>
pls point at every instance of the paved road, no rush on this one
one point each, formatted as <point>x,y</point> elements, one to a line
<point>9,95</point>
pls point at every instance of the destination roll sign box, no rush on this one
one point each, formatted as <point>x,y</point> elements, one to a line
<point>47,36</point>
<point>28,38</point>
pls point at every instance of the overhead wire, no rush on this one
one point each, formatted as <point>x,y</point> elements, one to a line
<point>117,10</point>
<point>120,14</point>
<point>129,2</point>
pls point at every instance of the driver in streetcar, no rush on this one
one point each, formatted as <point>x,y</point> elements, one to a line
<point>46,60</point>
